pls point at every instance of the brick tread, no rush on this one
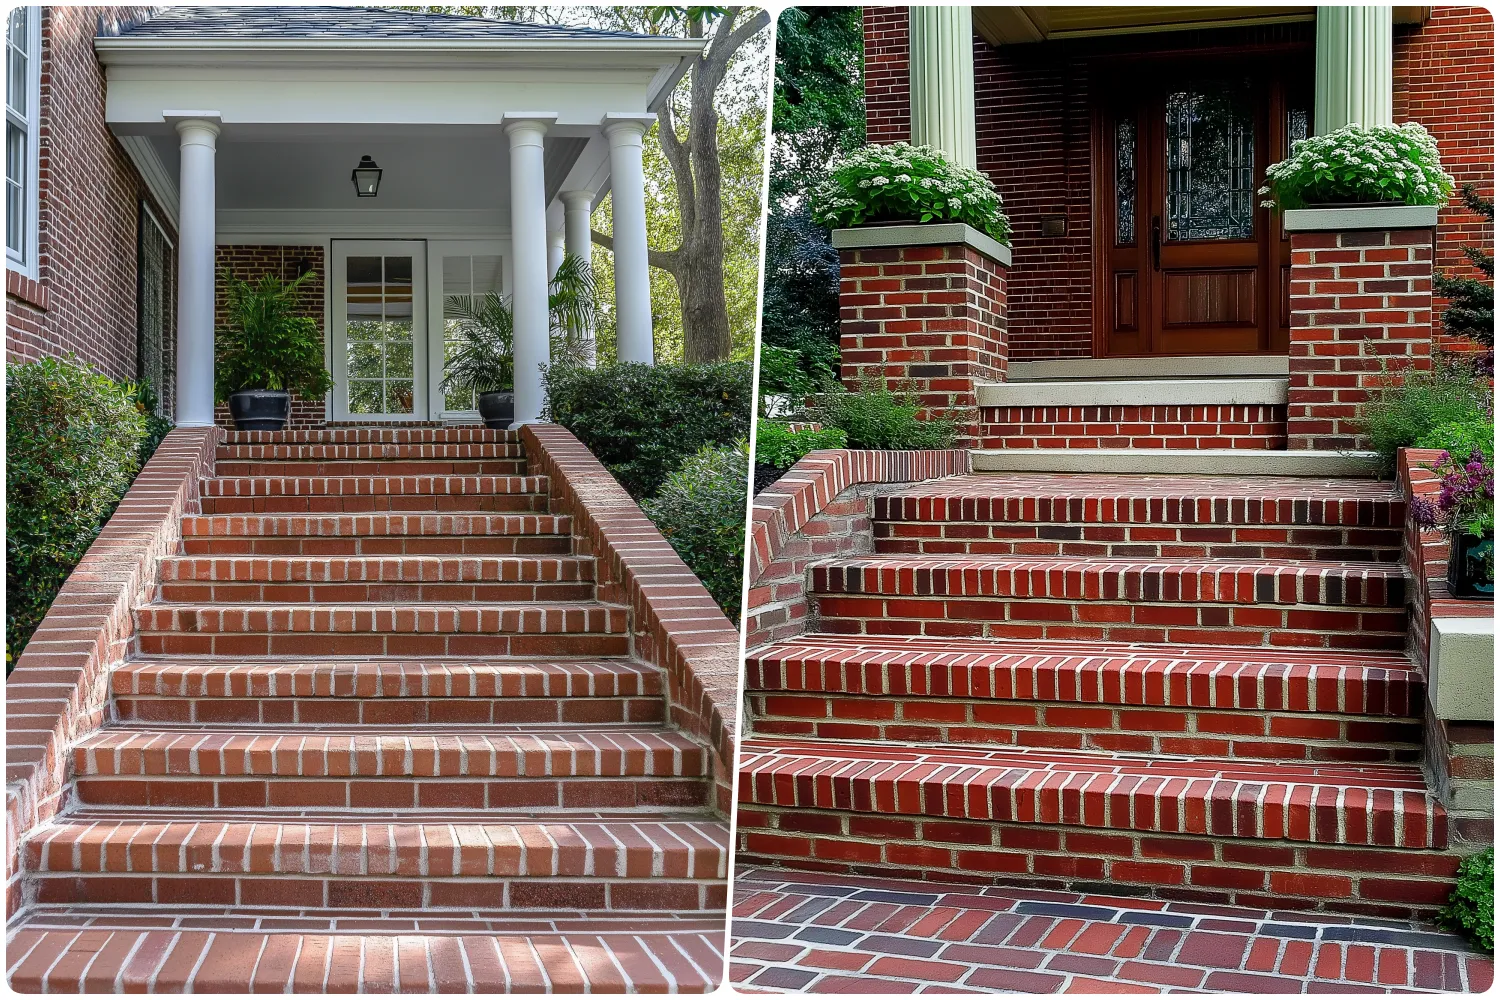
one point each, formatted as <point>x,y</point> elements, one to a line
<point>363,525</point>
<point>1384,805</point>
<point>366,954</point>
<point>440,485</point>
<point>375,435</point>
<point>363,679</point>
<point>1337,584</point>
<point>371,569</point>
<point>437,451</point>
<point>436,618</point>
<point>378,468</point>
<point>1183,676</point>
<point>476,844</point>
<point>390,753</point>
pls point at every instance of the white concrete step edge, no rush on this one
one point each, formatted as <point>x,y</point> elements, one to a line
<point>1205,366</point>
<point>1170,461</point>
<point>1138,392</point>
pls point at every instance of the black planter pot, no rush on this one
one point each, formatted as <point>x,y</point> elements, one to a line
<point>1471,565</point>
<point>497,409</point>
<point>260,409</point>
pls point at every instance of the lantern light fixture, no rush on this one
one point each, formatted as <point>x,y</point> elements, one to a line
<point>366,177</point>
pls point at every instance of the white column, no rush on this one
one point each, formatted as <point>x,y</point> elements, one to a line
<point>578,209</point>
<point>528,236</point>
<point>555,249</point>
<point>198,134</point>
<point>1353,67</point>
<point>634,338</point>
<point>942,81</point>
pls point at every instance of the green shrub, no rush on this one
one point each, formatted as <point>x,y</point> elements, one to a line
<point>642,421</point>
<point>879,418</point>
<point>899,182</point>
<point>1461,438</point>
<point>1404,409</point>
<point>1471,908</point>
<point>73,440</point>
<point>778,445</point>
<point>701,511</point>
<point>156,427</point>
<point>1395,163</point>
<point>809,366</point>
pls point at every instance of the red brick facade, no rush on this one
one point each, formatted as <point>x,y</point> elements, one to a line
<point>1227,426</point>
<point>84,301</point>
<point>249,262</point>
<point>1361,307</point>
<point>928,317</point>
<point>1032,122</point>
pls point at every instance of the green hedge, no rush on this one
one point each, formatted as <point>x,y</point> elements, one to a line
<point>701,511</point>
<point>878,418</point>
<point>778,445</point>
<point>73,439</point>
<point>642,421</point>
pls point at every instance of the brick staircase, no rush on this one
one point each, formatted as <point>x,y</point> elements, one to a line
<point>1183,686</point>
<point>379,733</point>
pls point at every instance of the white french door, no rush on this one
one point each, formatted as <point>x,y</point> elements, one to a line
<point>458,269</point>
<point>378,342</point>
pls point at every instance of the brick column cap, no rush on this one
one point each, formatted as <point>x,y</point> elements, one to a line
<point>926,234</point>
<point>1355,218</point>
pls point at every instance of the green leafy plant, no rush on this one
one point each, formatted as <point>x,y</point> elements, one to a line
<point>156,426</point>
<point>573,302</point>
<point>484,360</point>
<point>701,512</point>
<point>1394,163</point>
<point>641,421</point>
<point>1462,438</point>
<point>266,343</point>
<point>880,418</point>
<point>73,440</point>
<point>1471,301</point>
<point>1406,406</point>
<point>900,182</point>
<point>778,445</point>
<point>1471,907</point>
<point>797,373</point>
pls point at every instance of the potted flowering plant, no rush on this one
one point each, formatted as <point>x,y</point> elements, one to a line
<point>900,182</point>
<point>1360,165</point>
<point>1465,509</point>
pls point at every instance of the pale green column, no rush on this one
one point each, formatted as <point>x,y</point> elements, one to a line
<point>1354,67</point>
<point>942,81</point>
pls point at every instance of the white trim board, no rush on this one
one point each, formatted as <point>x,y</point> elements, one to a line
<point>1138,392</point>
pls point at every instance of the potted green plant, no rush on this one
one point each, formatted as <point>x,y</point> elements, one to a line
<point>1360,165</point>
<point>899,182</point>
<point>484,362</point>
<point>1465,509</point>
<point>265,351</point>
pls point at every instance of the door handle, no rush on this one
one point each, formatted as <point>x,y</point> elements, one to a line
<point>1156,242</point>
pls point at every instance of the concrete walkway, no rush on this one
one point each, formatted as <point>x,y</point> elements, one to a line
<point>809,933</point>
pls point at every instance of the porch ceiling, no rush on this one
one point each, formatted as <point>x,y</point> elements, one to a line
<point>1012,25</point>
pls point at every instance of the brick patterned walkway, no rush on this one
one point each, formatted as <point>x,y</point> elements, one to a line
<point>808,933</point>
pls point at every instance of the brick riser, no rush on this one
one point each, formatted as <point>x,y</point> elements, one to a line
<point>1253,427</point>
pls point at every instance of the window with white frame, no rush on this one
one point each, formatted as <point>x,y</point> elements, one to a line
<point>23,50</point>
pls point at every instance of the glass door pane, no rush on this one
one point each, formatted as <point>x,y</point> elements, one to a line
<point>380,342</point>
<point>1210,153</point>
<point>465,277</point>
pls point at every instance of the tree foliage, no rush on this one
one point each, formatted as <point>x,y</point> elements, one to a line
<point>1471,300</point>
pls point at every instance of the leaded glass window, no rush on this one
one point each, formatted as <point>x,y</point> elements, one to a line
<point>1125,183</point>
<point>1210,140</point>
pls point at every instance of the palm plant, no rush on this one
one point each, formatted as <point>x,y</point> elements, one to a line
<point>268,341</point>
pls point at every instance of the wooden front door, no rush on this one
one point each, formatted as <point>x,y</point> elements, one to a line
<point>1189,263</point>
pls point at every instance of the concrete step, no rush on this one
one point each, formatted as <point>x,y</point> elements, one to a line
<point>377,534</point>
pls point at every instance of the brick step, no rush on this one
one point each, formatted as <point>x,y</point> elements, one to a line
<point>448,859</point>
<point>382,468</point>
<point>280,486</point>
<point>374,435</point>
<point>378,534</point>
<point>1352,605</point>
<point>1292,836</point>
<point>387,692</point>
<point>133,949</point>
<point>1254,426</point>
<point>415,502</point>
<point>1154,516</point>
<point>347,579</point>
<point>370,451</point>
<point>505,769</point>
<point>1184,700</point>
<point>523,630</point>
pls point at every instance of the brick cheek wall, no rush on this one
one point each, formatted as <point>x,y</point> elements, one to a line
<point>928,318</point>
<point>1444,79</point>
<point>1253,427</point>
<point>1361,302</point>
<point>251,262</point>
<point>88,212</point>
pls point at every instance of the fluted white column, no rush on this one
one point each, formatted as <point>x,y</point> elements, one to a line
<point>197,137</point>
<point>942,81</point>
<point>1354,75</point>
<point>634,338</point>
<point>578,208</point>
<point>528,235</point>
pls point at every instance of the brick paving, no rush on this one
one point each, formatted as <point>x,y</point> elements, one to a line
<point>799,932</point>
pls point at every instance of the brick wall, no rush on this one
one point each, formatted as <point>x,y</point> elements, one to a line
<point>1219,426</point>
<point>85,299</point>
<point>1032,131</point>
<point>1361,305</point>
<point>928,318</point>
<point>250,262</point>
